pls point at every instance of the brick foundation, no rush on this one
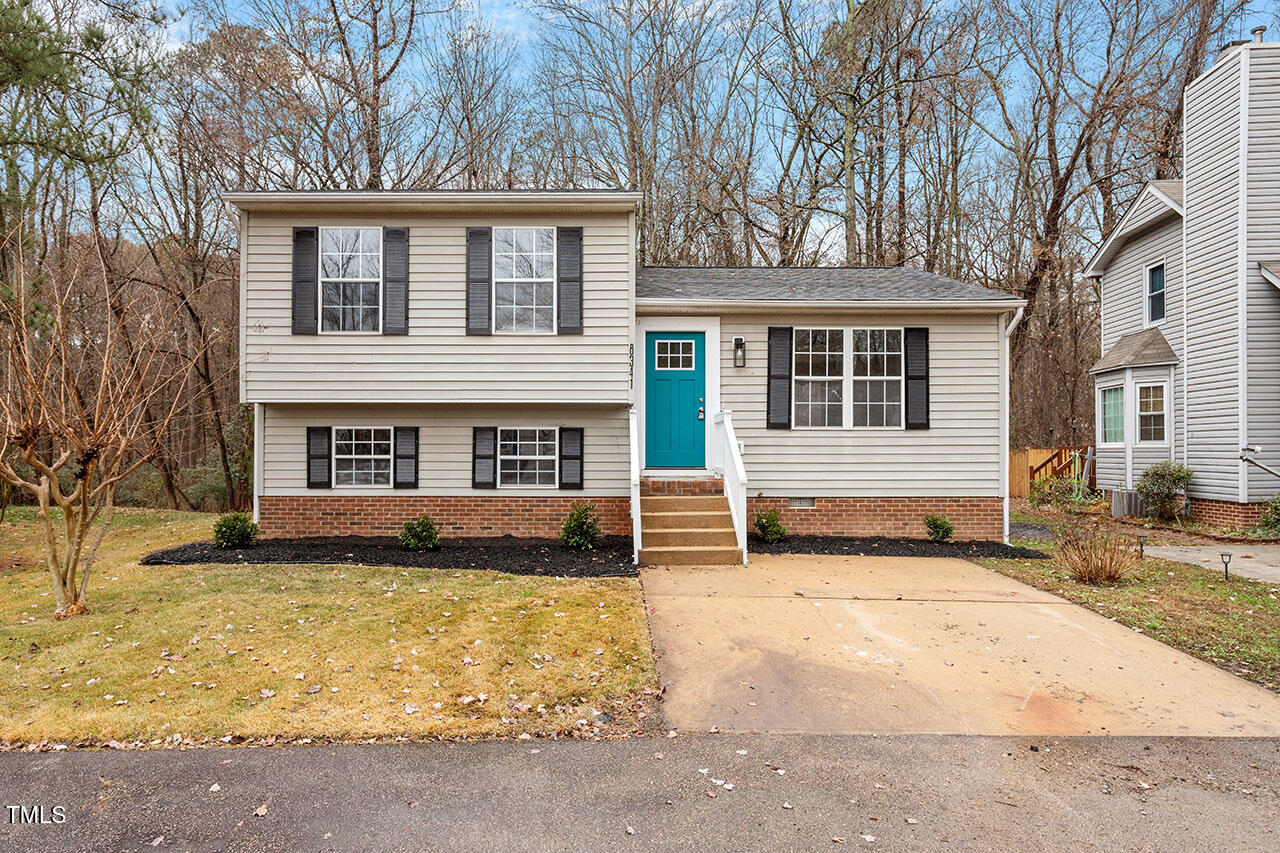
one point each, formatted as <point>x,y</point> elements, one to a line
<point>1229,514</point>
<point>469,515</point>
<point>650,486</point>
<point>974,518</point>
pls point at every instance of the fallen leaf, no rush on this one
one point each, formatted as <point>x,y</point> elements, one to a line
<point>261,811</point>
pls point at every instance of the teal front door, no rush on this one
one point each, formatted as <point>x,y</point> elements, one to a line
<point>675,405</point>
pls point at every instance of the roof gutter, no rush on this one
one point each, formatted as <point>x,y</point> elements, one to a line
<point>696,306</point>
<point>1017,318</point>
<point>443,200</point>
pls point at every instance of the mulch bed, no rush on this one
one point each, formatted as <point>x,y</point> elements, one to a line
<point>883,546</point>
<point>517,556</point>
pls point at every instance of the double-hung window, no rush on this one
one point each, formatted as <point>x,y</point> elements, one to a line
<point>1111,415</point>
<point>527,456</point>
<point>350,279</point>
<point>1151,413</point>
<point>362,456</point>
<point>877,377</point>
<point>524,280</point>
<point>848,378</point>
<point>819,377</point>
<point>1155,294</point>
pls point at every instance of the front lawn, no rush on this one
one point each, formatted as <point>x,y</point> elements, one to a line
<point>310,651</point>
<point>1234,623</point>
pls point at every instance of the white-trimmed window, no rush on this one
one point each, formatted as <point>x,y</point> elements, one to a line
<point>527,456</point>
<point>524,280</point>
<point>1111,415</point>
<point>351,279</point>
<point>877,377</point>
<point>819,378</point>
<point>1154,306</point>
<point>673,355</point>
<point>362,456</point>
<point>1152,413</point>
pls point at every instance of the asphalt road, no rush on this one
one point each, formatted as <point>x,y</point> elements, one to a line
<point>796,792</point>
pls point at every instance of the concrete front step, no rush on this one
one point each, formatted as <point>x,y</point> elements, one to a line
<point>686,555</point>
<point>684,503</point>
<point>691,536</point>
<point>699,520</point>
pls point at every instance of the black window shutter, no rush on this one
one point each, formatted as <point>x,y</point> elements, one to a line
<point>479,280</point>
<point>569,280</point>
<point>306,288</point>
<point>395,281</point>
<point>779,394</point>
<point>571,442</point>
<point>484,458</point>
<point>916,344</point>
<point>406,458</point>
<point>319,475</point>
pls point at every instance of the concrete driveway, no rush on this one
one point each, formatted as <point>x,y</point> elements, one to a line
<point>1260,562</point>
<point>818,644</point>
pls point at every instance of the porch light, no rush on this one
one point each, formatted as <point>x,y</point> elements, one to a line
<point>739,352</point>
<point>1226,564</point>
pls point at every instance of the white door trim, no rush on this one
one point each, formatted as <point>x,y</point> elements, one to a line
<point>710,326</point>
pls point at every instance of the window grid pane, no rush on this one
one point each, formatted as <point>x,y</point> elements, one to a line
<point>1151,420</point>
<point>673,355</point>
<point>877,377</point>
<point>1112,415</point>
<point>350,279</point>
<point>362,456</point>
<point>819,377</point>
<point>524,293</point>
<point>527,457</point>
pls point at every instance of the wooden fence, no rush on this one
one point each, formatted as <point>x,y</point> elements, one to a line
<point>1032,463</point>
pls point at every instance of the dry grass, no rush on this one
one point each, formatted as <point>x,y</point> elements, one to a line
<point>210,651</point>
<point>1097,557</point>
<point>1234,623</point>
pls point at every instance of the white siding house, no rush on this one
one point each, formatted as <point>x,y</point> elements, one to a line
<point>489,358</point>
<point>1213,234</point>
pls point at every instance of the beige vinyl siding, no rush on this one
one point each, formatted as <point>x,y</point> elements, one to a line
<point>1263,339</point>
<point>437,361</point>
<point>444,444</point>
<point>1211,184</point>
<point>958,455</point>
<point>1124,285</point>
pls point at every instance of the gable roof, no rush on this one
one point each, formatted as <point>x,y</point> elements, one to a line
<point>1166,196</point>
<point>568,202</point>
<point>1138,349</point>
<point>821,285</point>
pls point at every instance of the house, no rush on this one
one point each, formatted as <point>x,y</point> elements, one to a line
<point>1190,370</point>
<point>488,358</point>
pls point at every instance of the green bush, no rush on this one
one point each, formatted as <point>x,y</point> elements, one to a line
<point>419,534</point>
<point>234,530</point>
<point>1269,518</point>
<point>769,525</point>
<point>1161,488</point>
<point>581,527</point>
<point>939,526</point>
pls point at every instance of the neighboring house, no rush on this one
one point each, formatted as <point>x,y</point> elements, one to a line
<point>1190,369</point>
<point>487,358</point>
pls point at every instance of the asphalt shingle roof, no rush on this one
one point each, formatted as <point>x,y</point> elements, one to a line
<point>1137,349</point>
<point>807,284</point>
<point>1173,189</point>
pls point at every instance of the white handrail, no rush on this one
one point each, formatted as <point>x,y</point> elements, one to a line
<point>726,457</point>
<point>635,488</point>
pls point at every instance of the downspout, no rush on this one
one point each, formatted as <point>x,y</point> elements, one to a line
<point>1006,371</point>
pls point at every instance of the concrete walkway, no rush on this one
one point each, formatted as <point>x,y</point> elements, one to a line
<point>1260,562</point>
<point>902,645</point>
<point>901,793</point>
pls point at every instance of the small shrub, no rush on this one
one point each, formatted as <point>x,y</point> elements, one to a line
<point>769,525</point>
<point>234,530</point>
<point>420,534</point>
<point>1097,558</point>
<point>581,527</point>
<point>1269,518</point>
<point>1161,488</point>
<point>939,526</point>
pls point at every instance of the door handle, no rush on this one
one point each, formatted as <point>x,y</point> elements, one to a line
<point>702,414</point>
